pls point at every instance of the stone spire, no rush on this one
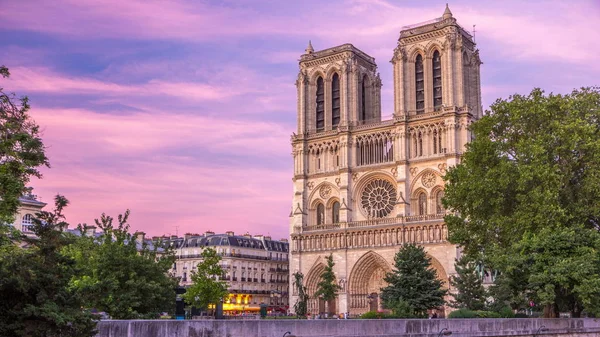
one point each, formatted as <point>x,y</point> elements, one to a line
<point>310,50</point>
<point>447,13</point>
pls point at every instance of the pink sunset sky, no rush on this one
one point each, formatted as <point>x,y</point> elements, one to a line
<point>182,110</point>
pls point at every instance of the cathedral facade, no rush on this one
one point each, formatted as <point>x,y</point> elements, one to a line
<point>364,186</point>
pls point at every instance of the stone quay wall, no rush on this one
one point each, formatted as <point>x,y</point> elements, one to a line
<point>560,327</point>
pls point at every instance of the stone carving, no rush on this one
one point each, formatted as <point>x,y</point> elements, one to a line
<point>378,198</point>
<point>442,167</point>
<point>355,176</point>
<point>325,191</point>
<point>310,185</point>
<point>428,180</point>
<point>414,170</point>
<point>338,181</point>
<point>394,171</point>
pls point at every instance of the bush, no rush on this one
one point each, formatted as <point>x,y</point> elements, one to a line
<point>507,312</point>
<point>521,315</point>
<point>463,313</point>
<point>487,314</point>
<point>377,315</point>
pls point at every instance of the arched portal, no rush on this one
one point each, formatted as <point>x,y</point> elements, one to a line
<point>365,282</point>
<point>314,305</point>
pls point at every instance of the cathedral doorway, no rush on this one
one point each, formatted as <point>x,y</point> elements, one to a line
<point>365,283</point>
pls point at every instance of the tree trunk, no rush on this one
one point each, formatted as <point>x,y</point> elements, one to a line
<point>551,311</point>
<point>576,311</point>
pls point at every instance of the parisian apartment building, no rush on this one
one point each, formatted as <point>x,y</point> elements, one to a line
<point>256,268</point>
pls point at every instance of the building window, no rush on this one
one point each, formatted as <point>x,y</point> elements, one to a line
<point>320,214</point>
<point>422,203</point>
<point>419,84</point>
<point>363,91</point>
<point>335,216</point>
<point>438,202</point>
<point>27,223</point>
<point>435,151</point>
<point>335,100</point>
<point>420,144</point>
<point>320,104</point>
<point>437,80</point>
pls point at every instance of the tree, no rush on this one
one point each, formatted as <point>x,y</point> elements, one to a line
<point>207,286</point>
<point>529,177</point>
<point>34,283</point>
<point>301,305</point>
<point>412,283</point>
<point>121,276</point>
<point>470,293</point>
<point>21,151</point>
<point>327,288</point>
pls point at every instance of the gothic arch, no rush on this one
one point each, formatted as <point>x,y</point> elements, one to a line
<point>415,181</point>
<point>315,193</point>
<point>315,74</point>
<point>432,47</point>
<point>312,280</point>
<point>441,272</point>
<point>330,70</point>
<point>363,271</point>
<point>414,51</point>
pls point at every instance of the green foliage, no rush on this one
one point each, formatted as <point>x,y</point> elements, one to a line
<point>301,305</point>
<point>528,185</point>
<point>21,151</point>
<point>506,312</point>
<point>34,283</point>
<point>378,315</point>
<point>402,309</point>
<point>119,277</point>
<point>327,288</point>
<point>470,293</point>
<point>207,285</point>
<point>462,313</point>
<point>414,282</point>
<point>466,313</point>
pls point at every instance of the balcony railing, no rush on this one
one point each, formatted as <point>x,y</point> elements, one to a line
<point>373,222</point>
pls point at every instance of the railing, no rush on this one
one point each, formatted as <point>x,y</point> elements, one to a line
<point>371,222</point>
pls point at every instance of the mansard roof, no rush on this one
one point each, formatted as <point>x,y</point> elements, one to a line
<point>230,240</point>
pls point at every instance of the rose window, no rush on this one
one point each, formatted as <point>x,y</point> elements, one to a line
<point>378,198</point>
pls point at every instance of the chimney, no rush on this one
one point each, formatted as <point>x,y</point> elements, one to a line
<point>90,230</point>
<point>284,240</point>
<point>209,233</point>
<point>173,237</point>
<point>230,233</point>
<point>259,236</point>
<point>268,237</point>
<point>140,237</point>
<point>247,235</point>
<point>187,235</point>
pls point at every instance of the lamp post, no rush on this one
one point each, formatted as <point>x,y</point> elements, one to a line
<point>541,329</point>
<point>444,332</point>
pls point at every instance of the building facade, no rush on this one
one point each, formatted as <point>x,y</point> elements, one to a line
<point>364,186</point>
<point>29,206</point>
<point>256,268</point>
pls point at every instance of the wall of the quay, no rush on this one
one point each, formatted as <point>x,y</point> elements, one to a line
<point>353,327</point>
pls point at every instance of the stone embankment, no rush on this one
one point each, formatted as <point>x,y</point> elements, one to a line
<point>562,327</point>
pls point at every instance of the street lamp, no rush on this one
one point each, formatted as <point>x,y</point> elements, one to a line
<point>541,329</point>
<point>444,332</point>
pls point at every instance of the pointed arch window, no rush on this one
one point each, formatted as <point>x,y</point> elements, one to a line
<point>320,214</point>
<point>422,203</point>
<point>435,138</point>
<point>439,205</point>
<point>363,107</point>
<point>420,144</point>
<point>419,84</point>
<point>335,212</point>
<point>335,100</point>
<point>320,112</point>
<point>437,80</point>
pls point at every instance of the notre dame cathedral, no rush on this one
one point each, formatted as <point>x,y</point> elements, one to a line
<point>364,186</point>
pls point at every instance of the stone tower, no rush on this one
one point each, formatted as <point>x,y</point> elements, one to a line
<point>364,186</point>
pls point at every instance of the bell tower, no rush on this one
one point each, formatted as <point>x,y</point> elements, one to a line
<point>337,87</point>
<point>436,68</point>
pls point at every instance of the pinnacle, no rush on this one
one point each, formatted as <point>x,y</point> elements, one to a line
<point>447,13</point>
<point>309,49</point>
